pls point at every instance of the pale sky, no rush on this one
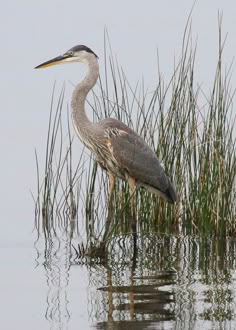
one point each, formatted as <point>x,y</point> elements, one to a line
<point>32,32</point>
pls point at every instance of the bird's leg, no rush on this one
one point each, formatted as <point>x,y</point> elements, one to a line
<point>132,185</point>
<point>111,188</point>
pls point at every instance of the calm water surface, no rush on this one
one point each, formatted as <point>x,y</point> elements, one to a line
<point>157,282</point>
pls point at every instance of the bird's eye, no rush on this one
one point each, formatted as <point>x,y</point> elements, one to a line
<point>69,53</point>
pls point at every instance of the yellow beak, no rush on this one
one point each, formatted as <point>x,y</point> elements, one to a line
<point>57,60</point>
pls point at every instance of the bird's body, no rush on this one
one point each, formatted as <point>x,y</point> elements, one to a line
<point>119,150</point>
<point>126,155</point>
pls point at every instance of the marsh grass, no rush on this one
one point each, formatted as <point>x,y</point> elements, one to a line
<point>192,133</point>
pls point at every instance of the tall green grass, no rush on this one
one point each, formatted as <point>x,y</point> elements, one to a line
<point>195,143</point>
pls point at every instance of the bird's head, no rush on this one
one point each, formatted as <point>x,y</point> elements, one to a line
<point>75,54</point>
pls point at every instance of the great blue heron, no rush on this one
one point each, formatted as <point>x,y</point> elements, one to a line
<point>119,150</point>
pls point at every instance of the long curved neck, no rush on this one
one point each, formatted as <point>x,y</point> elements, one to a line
<point>81,122</point>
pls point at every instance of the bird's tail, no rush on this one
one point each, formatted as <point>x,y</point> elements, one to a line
<point>170,193</point>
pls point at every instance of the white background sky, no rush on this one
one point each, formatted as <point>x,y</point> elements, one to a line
<point>34,31</point>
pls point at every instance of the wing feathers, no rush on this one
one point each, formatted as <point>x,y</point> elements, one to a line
<point>139,161</point>
<point>136,158</point>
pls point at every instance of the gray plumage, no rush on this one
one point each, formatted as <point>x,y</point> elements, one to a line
<point>118,149</point>
<point>132,156</point>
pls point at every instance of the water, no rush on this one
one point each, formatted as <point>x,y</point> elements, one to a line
<point>155,282</point>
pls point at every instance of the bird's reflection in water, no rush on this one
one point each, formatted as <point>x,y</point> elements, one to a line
<point>137,300</point>
<point>136,296</point>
